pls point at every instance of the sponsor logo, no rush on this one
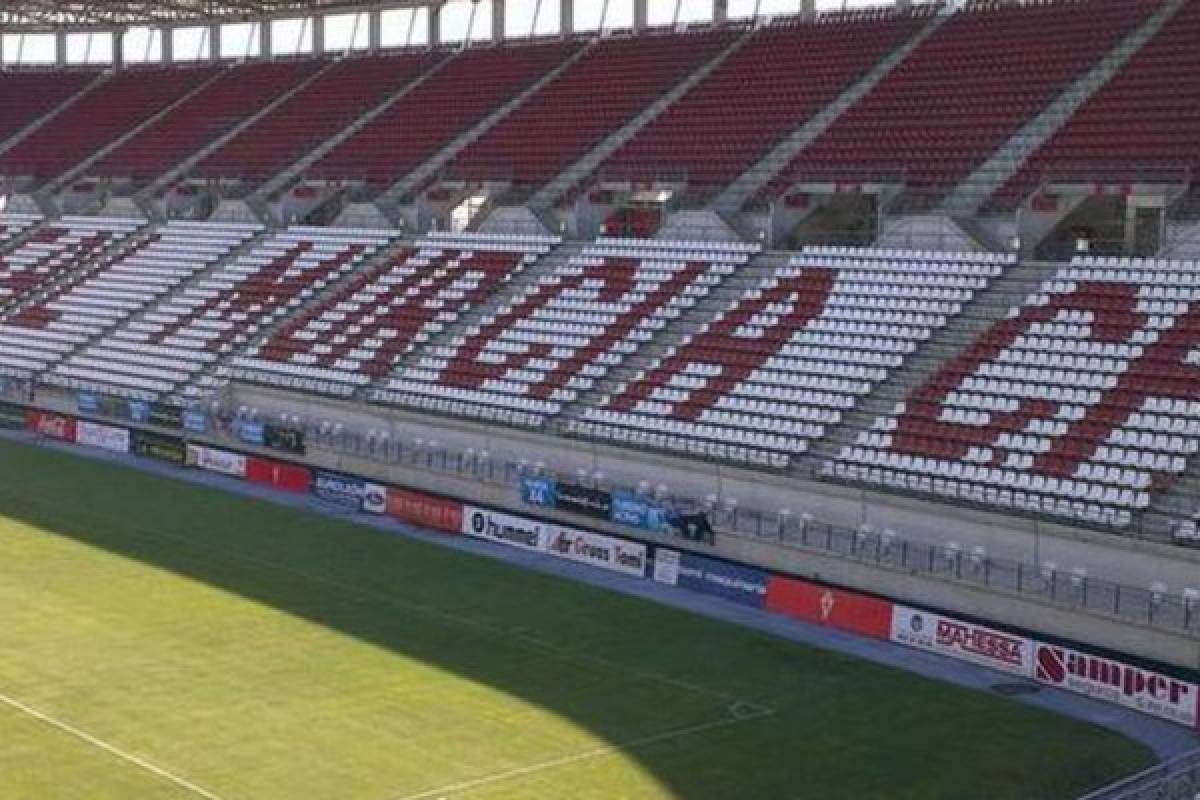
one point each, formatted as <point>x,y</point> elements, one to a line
<point>584,500</point>
<point>637,513</point>
<point>1105,679</point>
<point>12,416</point>
<point>195,421</point>
<point>220,461</point>
<point>606,552</point>
<point>163,448</point>
<point>54,426</point>
<point>425,510</point>
<point>744,585</point>
<point>374,498</point>
<point>88,402</point>
<point>105,437</point>
<point>964,641</point>
<point>666,566</point>
<point>341,490</point>
<point>505,529</point>
<point>539,492</point>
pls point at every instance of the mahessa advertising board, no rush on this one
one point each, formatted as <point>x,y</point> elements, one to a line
<point>965,641</point>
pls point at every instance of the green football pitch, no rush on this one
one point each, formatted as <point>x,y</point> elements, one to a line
<point>161,640</point>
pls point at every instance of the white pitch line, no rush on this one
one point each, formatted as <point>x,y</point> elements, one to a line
<point>586,755</point>
<point>108,748</point>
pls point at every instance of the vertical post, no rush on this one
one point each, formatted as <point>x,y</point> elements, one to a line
<point>566,16</point>
<point>264,37</point>
<point>640,15</point>
<point>213,32</point>
<point>720,12</point>
<point>60,48</point>
<point>435,24</point>
<point>498,31</point>
<point>808,7</point>
<point>318,38</point>
<point>375,29</point>
<point>168,44</point>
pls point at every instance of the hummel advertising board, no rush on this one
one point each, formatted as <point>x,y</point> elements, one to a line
<point>506,529</point>
<point>964,641</point>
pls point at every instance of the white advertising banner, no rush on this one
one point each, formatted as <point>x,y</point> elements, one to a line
<point>374,498</point>
<point>213,460</point>
<point>964,641</point>
<point>1114,682</point>
<point>666,566</point>
<point>506,529</point>
<point>606,552</point>
<point>105,437</point>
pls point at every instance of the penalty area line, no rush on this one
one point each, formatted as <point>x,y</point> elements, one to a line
<point>740,714</point>
<point>100,744</point>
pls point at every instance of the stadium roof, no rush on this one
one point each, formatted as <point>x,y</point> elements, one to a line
<point>114,13</point>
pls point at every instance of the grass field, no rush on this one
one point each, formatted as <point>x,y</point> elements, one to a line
<point>159,640</point>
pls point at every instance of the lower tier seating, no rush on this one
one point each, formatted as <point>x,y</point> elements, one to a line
<point>556,338</point>
<point>53,251</point>
<point>42,332</point>
<point>165,348</point>
<point>358,334</point>
<point>791,353</point>
<point>13,225</point>
<point>1080,404</point>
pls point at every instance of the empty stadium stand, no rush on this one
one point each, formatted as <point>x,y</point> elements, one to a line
<point>178,344</point>
<point>613,82</point>
<point>357,334</point>
<point>28,96</point>
<point>14,224</point>
<point>236,94</point>
<point>1147,118</point>
<point>61,291</point>
<point>451,102</point>
<point>788,354</point>
<point>328,105</point>
<point>785,74</point>
<point>1080,404</point>
<point>964,92</point>
<point>557,337</point>
<point>101,117</point>
<point>52,251</point>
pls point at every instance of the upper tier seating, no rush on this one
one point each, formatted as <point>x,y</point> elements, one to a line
<point>81,291</point>
<point>211,317</point>
<point>462,93</point>
<point>610,85</point>
<point>1079,404</point>
<point>99,118</point>
<point>1148,115</point>
<point>13,224</point>
<point>238,93</point>
<point>55,250</point>
<point>26,96</point>
<point>771,86</point>
<point>789,355</point>
<point>331,103</point>
<point>557,337</point>
<point>965,91</point>
<point>359,333</point>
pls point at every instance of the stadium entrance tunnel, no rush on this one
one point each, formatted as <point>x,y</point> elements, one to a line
<point>300,652</point>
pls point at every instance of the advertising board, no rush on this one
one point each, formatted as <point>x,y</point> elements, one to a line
<point>634,512</point>
<point>251,432</point>
<point>744,585</point>
<point>506,529</point>
<point>598,550</point>
<point>12,417</point>
<point>287,477</point>
<point>425,510</point>
<point>53,426</point>
<point>195,421</point>
<point>583,500</point>
<point>159,447</point>
<point>87,402</point>
<point>341,490</point>
<point>539,491</point>
<point>105,437</point>
<point>214,460</point>
<point>835,608</point>
<point>1115,682</point>
<point>964,641</point>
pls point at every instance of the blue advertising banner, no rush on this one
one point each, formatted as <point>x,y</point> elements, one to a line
<point>88,403</point>
<point>539,491</point>
<point>744,585</point>
<point>628,509</point>
<point>251,432</point>
<point>195,422</point>
<point>139,410</point>
<point>342,490</point>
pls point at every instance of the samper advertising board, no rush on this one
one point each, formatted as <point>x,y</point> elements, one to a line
<point>964,641</point>
<point>1114,682</point>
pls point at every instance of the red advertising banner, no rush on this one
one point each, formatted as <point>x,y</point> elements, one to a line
<point>54,426</point>
<point>836,608</point>
<point>287,477</point>
<point>425,510</point>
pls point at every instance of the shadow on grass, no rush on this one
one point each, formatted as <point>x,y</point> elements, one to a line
<point>772,719</point>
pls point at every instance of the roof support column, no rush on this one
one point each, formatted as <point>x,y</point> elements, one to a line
<point>720,11</point>
<point>640,15</point>
<point>264,37</point>
<point>435,24</point>
<point>318,23</point>
<point>60,48</point>
<point>118,50</point>
<point>498,21</point>
<point>566,16</point>
<point>214,42</point>
<point>374,30</point>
